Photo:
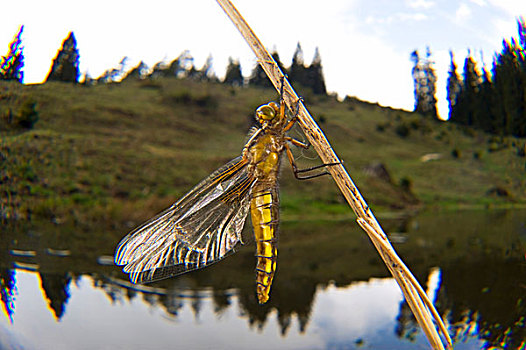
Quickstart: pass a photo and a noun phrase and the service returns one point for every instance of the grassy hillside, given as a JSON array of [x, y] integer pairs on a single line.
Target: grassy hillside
[[121, 152]]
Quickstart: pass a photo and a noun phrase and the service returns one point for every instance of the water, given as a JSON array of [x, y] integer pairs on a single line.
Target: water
[[60, 291]]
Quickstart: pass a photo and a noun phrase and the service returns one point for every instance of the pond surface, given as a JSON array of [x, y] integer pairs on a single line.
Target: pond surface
[[60, 290]]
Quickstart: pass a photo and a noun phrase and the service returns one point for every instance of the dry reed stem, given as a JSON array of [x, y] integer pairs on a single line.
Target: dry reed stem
[[397, 267], [417, 299]]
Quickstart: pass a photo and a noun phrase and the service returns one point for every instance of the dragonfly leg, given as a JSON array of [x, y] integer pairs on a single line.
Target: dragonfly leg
[[297, 171], [298, 143], [291, 123], [281, 99]]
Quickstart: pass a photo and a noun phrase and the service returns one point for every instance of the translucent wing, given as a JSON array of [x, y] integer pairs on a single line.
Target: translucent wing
[[201, 228]]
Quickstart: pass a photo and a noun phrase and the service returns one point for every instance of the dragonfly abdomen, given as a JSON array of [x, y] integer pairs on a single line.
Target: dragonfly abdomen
[[264, 209]]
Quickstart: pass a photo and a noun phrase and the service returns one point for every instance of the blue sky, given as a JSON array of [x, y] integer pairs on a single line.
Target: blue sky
[[364, 44]]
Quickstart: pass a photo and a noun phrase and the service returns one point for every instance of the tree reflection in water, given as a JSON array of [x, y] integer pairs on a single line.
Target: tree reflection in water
[[8, 291], [481, 287], [56, 289]]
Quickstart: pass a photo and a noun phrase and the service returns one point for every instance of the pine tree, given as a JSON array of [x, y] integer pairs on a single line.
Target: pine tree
[[65, 66], [185, 63], [159, 70], [114, 74], [509, 89], [181, 67], [430, 84], [297, 70], [207, 71], [316, 81], [424, 78], [470, 89], [12, 64], [233, 74], [204, 74], [485, 105], [174, 68], [138, 72], [467, 107], [453, 86], [417, 72], [509, 76]]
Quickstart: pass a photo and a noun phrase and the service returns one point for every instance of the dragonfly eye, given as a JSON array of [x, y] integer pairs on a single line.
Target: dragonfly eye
[[266, 112]]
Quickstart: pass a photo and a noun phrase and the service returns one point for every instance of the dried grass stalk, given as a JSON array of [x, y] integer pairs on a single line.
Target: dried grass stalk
[[417, 299]]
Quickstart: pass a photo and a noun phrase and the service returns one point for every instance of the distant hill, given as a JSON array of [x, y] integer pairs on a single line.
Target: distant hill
[[121, 152]]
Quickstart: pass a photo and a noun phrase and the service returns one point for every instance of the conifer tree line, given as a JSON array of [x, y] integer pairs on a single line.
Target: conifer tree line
[[65, 67], [492, 101], [310, 77]]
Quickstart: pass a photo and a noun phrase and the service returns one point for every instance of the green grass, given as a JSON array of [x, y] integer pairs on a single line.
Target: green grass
[[124, 151]]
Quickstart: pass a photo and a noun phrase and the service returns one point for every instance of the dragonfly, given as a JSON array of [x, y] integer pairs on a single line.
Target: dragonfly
[[206, 224]]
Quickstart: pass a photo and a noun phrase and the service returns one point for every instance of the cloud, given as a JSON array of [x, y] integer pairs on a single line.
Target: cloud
[[412, 16], [511, 7], [463, 13], [480, 3], [505, 29], [397, 17], [374, 306], [416, 4]]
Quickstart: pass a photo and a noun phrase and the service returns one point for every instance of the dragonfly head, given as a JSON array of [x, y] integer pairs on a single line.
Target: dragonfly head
[[267, 113]]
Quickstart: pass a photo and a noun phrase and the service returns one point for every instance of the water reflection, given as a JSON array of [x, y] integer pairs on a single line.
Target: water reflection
[[106, 316], [332, 291]]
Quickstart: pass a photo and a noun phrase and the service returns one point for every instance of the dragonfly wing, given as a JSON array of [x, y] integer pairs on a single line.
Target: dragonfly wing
[[201, 228]]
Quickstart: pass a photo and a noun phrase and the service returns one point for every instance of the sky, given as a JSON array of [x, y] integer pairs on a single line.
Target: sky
[[364, 44]]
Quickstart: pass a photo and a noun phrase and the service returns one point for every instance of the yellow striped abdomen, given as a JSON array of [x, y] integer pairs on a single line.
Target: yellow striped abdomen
[[264, 158], [264, 209]]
